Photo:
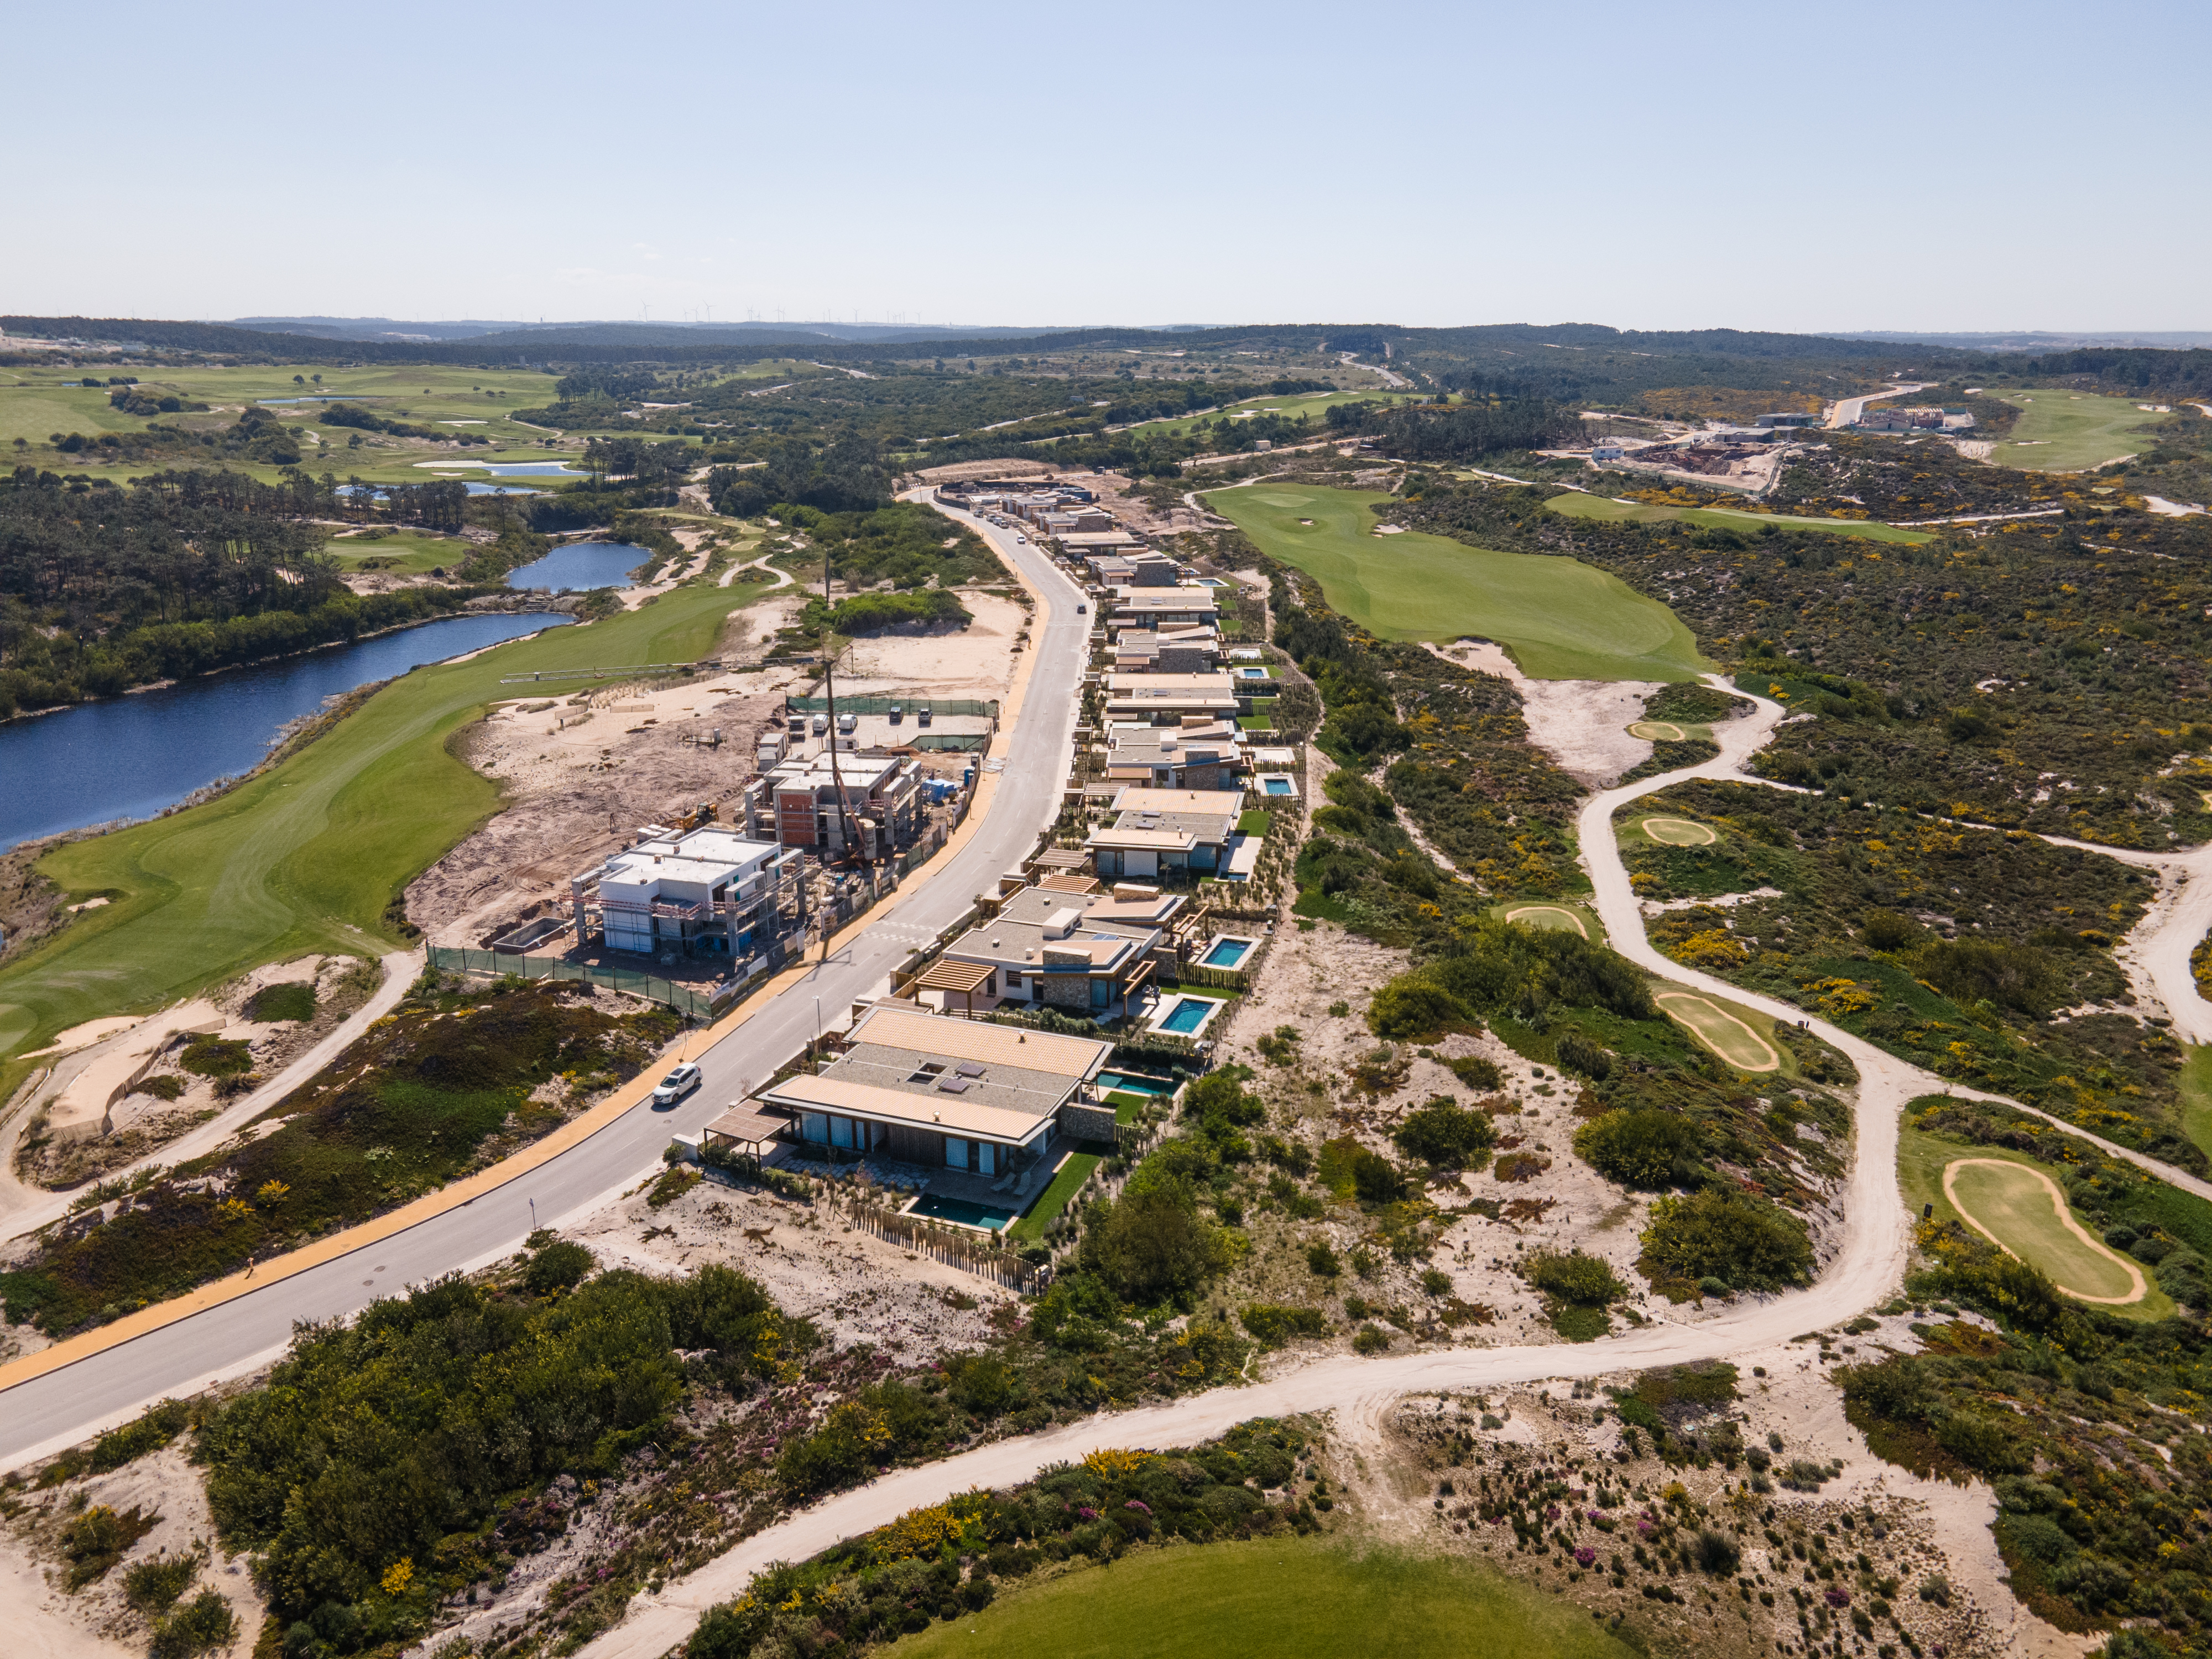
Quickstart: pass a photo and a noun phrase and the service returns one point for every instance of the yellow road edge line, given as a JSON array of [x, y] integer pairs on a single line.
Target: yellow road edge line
[[2066, 1219], [572, 1133]]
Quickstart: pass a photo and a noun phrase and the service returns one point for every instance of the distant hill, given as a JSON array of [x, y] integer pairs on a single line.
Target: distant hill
[[2038, 340]]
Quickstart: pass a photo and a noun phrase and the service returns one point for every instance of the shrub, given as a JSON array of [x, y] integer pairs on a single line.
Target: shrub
[[1272, 1325], [294, 1000], [152, 1587], [1716, 1553], [561, 1266], [1417, 1012], [1980, 1442], [1371, 1339], [1435, 1281], [1935, 1588], [1516, 1167], [1579, 1055], [202, 1625], [1645, 1148], [1477, 1073], [1375, 1179], [1323, 1259], [1445, 1135], [1746, 1243], [1150, 1248], [1580, 1324], [1573, 1276], [213, 1056], [95, 1540], [1887, 930]]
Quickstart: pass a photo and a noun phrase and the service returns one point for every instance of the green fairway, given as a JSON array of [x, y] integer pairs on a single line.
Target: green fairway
[[1560, 618], [2071, 431], [1726, 1034], [1678, 832], [1311, 1597], [407, 554], [2196, 1081], [1552, 918], [2021, 1209], [1575, 506], [306, 856], [1311, 404]]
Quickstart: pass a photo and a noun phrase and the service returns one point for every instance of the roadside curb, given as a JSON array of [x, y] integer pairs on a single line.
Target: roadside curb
[[569, 1135]]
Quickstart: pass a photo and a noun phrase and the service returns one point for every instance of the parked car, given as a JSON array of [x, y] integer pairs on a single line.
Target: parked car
[[898, 713], [1082, 609], [677, 1083]]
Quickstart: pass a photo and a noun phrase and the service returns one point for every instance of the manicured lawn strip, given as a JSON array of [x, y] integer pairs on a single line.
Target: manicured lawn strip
[[1053, 1198], [1126, 1105], [1253, 821], [1256, 722], [2069, 431], [2011, 1202], [1309, 403], [1725, 1031], [2196, 1082], [306, 856], [1561, 618], [1573, 505], [1922, 1158], [1309, 1596]]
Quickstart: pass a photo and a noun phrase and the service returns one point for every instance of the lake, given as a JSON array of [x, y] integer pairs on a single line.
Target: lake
[[127, 757], [579, 567]]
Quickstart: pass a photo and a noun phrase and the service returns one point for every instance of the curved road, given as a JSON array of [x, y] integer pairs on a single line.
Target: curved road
[[50, 1413], [1870, 1262]]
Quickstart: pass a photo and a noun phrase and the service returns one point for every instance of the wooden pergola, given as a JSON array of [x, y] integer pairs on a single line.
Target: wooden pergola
[[747, 1129], [963, 979]]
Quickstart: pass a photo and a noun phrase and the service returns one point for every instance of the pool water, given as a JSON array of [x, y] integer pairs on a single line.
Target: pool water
[[1113, 1082], [1189, 1015], [959, 1210], [1279, 786], [1252, 674], [1228, 952]]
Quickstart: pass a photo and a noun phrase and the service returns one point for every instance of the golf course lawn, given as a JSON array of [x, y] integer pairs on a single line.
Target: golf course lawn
[[2196, 1081], [2070, 431], [1560, 618], [2018, 1212], [1554, 918], [1675, 832], [1729, 1035], [1575, 506], [1311, 1597], [1311, 404], [306, 856]]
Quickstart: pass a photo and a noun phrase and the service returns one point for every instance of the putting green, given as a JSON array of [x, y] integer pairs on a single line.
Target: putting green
[[306, 856], [1556, 918], [1679, 832], [1562, 619], [2022, 1212], [1575, 506], [1313, 1597], [1720, 1031], [2071, 431], [1657, 731]]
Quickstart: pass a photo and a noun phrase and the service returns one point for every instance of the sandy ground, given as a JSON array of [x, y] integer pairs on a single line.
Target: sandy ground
[[1582, 724], [44, 1622], [629, 756], [140, 1123], [857, 1287]]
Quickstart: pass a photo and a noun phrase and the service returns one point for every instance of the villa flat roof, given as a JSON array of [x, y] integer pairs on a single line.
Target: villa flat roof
[[966, 1039], [933, 1110]]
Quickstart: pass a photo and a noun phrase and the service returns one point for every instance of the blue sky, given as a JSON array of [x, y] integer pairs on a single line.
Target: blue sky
[[1882, 165]]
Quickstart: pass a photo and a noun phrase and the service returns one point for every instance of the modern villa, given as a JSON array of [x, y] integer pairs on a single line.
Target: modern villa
[[963, 1095]]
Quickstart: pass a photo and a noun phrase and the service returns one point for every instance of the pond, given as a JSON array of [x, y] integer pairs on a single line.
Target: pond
[[581, 566], [127, 757]]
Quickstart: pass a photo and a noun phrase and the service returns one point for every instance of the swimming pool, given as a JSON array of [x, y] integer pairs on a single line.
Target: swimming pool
[[1249, 673], [1116, 1083], [961, 1212], [1187, 1016], [1276, 783], [1228, 950]]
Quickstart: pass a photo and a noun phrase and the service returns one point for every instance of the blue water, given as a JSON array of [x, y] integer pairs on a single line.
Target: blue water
[[1113, 1082], [1189, 1014], [471, 485], [127, 757], [960, 1209], [1279, 786], [581, 566], [1228, 952]]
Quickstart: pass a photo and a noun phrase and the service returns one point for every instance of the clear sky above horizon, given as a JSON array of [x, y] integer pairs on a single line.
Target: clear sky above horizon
[[1881, 166]]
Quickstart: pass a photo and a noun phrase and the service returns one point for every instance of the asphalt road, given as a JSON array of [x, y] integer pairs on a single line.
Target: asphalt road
[[58, 1410]]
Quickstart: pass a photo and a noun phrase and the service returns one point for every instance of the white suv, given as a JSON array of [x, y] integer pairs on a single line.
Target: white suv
[[677, 1085]]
